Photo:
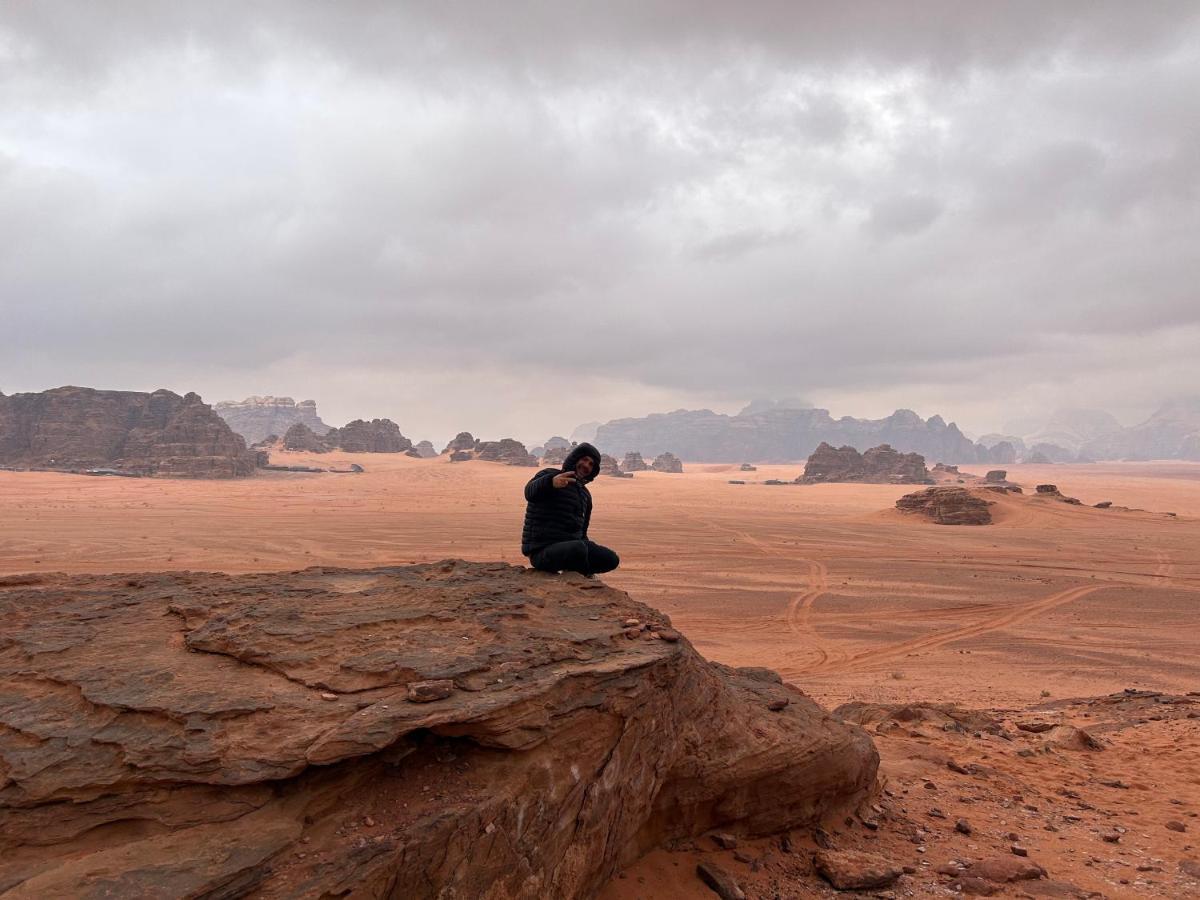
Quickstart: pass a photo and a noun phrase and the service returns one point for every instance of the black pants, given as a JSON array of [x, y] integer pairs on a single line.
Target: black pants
[[587, 557]]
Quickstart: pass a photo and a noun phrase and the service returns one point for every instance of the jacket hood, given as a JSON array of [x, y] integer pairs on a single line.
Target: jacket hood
[[579, 452]]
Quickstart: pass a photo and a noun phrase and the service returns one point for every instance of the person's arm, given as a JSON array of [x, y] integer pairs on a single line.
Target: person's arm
[[587, 515], [540, 486]]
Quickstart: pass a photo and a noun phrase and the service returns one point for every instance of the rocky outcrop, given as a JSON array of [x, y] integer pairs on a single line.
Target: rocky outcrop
[[455, 729], [878, 465], [301, 438], [425, 450], [509, 451], [996, 476], [633, 462], [130, 432], [463, 441], [667, 462], [609, 465], [784, 434], [555, 456], [256, 417], [947, 506], [376, 436]]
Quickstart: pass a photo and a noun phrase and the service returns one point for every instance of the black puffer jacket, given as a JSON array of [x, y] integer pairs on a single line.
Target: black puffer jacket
[[558, 514]]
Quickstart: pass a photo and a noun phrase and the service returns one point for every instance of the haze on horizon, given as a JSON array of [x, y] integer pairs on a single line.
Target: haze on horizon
[[515, 219]]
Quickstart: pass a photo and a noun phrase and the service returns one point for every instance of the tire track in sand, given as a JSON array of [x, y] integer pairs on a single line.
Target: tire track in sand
[[1013, 616], [799, 615]]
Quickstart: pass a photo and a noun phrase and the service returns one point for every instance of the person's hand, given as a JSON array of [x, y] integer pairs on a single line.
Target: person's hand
[[562, 479]]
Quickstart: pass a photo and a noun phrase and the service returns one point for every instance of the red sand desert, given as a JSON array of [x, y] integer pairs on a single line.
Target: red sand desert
[[844, 596]]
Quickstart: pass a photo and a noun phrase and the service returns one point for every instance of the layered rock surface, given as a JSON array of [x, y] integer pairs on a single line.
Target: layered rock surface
[[209, 735], [878, 465], [257, 417], [76, 428]]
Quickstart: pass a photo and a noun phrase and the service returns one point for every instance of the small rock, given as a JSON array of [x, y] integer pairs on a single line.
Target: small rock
[[935, 813], [670, 635], [1002, 869], [962, 826], [1111, 837], [1018, 850], [325, 695], [785, 843], [822, 839], [633, 633], [973, 886], [1176, 825], [429, 691], [778, 704], [1190, 867], [743, 857], [724, 841], [633, 623], [369, 822], [853, 870], [720, 881]]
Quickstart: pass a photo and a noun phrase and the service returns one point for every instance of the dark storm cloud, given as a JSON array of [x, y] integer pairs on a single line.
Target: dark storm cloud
[[975, 206]]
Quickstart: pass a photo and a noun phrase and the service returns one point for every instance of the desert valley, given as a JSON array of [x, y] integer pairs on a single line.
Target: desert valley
[[1031, 685]]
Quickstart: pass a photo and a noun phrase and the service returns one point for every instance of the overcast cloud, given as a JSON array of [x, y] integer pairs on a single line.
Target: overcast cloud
[[514, 218]]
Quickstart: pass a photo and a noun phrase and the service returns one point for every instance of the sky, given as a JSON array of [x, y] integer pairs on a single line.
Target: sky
[[514, 218]]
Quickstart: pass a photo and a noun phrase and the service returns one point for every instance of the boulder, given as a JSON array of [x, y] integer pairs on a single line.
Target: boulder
[[1004, 869], [746, 467], [195, 734], [609, 465], [947, 506], [633, 462], [996, 476], [257, 417], [667, 462], [425, 450], [879, 465], [129, 432]]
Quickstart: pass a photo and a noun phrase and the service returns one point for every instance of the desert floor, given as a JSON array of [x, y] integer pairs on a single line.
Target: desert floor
[[828, 584]]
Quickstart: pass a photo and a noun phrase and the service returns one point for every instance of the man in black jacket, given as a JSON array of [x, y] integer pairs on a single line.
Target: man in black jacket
[[557, 513]]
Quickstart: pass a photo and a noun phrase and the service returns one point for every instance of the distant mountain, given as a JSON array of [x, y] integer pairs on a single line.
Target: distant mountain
[[257, 417], [1172, 432], [585, 433], [779, 434], [1071, 429]]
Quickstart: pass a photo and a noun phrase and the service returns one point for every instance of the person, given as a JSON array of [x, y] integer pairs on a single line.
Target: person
[[558, 511]]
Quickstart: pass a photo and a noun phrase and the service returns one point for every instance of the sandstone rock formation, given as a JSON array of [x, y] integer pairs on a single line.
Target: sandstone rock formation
[[76, 428], [947, 506], [455, 729], [303, 439], [555, 456], [509, 451], [462, 441], [878, 465], [667, 462], [633, 462], [256, 417], [376, 436], [609, 465], [425, 450], [996, 476]]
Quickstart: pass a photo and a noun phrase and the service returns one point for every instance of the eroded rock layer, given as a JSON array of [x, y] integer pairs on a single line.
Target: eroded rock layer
[[455, 729]]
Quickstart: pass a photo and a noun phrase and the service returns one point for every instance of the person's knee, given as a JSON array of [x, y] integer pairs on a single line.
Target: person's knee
[[604, 560]]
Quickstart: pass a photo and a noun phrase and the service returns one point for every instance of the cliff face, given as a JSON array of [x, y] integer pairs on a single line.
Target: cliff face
[[74, 428], [783, 435], [456, 729], [255, 418]]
